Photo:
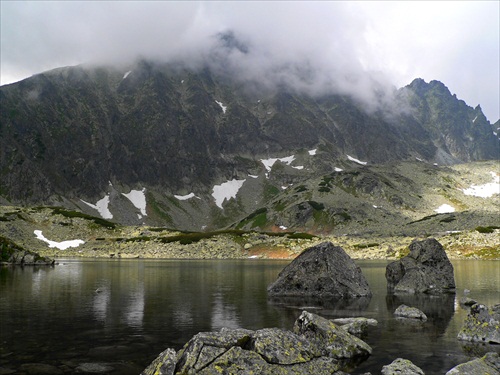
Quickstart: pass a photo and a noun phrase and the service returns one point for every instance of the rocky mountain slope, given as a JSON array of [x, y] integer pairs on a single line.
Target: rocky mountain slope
[[163, 145]]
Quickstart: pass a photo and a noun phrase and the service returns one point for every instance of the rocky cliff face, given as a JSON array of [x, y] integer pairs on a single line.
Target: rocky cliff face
[[164, 134]]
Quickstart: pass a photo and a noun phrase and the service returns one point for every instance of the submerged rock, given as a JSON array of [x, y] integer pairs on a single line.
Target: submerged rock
[[426, 269], [404, 311], [482, 324], [402, 366], [489, 364], [321, 271], [316, 346]]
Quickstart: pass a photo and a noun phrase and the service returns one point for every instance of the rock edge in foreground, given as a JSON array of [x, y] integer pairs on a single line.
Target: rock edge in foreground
[[315, 346]]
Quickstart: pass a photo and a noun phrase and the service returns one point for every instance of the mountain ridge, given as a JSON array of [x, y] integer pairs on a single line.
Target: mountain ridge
[[81, 133]]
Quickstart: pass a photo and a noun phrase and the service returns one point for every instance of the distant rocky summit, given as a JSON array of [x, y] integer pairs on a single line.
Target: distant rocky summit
[[316, 346], [11, 253], [426, 269], [321, 271], [482, 324]]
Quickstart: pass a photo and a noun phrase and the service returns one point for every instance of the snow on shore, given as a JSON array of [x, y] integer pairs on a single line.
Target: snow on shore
[[60, 245]]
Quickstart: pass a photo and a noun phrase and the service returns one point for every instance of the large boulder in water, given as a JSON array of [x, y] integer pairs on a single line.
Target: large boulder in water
[[426, 269], [321, 271]]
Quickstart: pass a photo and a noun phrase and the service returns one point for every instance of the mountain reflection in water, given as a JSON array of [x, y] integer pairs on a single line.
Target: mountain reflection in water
[[124, 312]]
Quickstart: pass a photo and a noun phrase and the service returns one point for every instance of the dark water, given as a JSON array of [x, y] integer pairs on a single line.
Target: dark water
[[124, 312]]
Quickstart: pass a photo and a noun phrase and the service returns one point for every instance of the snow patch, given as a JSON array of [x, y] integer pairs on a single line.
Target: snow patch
[[486, 190], [226, 190], [475, 118], [138, 199], [126, 74], [356, 160], [338, 169], [224, 107], [445, 209], [312, 152], [102, 206], [268, 163], [186, 197], [282, 227], [60, 245], [298, 167], [253, 176]]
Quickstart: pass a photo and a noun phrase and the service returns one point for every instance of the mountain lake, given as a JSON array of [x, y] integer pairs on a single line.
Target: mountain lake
[[115, 316]]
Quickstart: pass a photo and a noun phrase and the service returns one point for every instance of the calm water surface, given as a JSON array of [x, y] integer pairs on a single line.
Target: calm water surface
[[124, 312]]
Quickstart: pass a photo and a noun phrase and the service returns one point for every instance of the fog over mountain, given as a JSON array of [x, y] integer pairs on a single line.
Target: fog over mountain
[[353, 48]]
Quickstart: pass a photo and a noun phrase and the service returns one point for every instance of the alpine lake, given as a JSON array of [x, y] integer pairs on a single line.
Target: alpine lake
[[114, 316]]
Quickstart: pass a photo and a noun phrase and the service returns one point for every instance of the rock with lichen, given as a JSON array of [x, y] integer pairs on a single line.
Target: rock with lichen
[[482, 324], [315, 346], [489, 364]]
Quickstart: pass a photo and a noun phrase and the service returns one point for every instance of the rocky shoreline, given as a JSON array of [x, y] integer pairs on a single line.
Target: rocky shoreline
[[102, 239]]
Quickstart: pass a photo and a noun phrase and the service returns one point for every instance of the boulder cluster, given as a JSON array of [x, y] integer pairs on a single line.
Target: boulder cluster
[[317, 345]]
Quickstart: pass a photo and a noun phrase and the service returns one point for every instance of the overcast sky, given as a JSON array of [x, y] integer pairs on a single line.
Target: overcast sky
[[341, 44]]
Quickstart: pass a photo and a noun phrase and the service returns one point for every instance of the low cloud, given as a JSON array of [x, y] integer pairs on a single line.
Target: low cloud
[[356, 48]]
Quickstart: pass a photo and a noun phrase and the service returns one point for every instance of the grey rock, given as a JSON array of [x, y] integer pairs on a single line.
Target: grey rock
[[482, 324], [404, 311], [316, 346], [284, 347], [164, 364], [322, 271], [355, 326], [328, 339], [489, 364], [426, 269], [402, 366]]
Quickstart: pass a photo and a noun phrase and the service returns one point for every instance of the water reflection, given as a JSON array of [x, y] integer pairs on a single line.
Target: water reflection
[[147, 306], [329, 306], [438, 308]]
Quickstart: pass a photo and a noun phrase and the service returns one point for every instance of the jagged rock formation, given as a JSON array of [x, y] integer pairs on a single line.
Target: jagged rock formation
[[426, 269], [316, 346], [94, 134], [322, 271]]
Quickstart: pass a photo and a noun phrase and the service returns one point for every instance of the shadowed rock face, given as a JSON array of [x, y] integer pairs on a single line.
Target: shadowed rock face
[[322, 271], [426, 269]]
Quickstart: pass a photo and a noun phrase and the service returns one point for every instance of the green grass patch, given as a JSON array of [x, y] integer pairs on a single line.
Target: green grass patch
[[365, 245], [489, 229], [75, 214]]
